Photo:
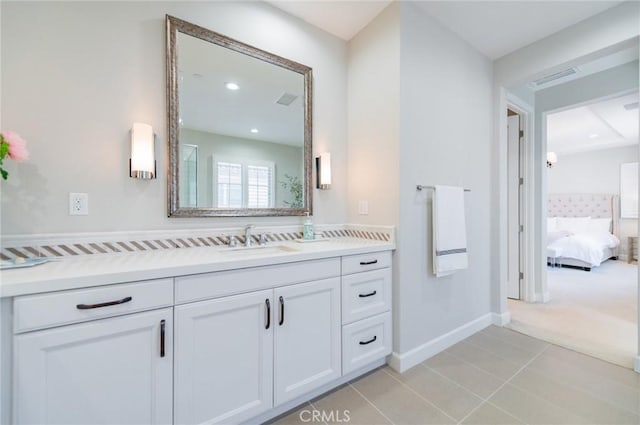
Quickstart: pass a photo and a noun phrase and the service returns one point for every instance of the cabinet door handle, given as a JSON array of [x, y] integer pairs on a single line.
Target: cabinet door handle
[[162, 326], [281, 311], [370, 294], [368, 263], [368, 342], [268, 313], [107, 304]]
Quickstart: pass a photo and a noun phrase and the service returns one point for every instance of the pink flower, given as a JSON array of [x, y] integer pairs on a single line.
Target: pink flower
[[17, 146]]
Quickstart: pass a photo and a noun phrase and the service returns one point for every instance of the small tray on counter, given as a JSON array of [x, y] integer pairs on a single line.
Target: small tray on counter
[[28, 262]]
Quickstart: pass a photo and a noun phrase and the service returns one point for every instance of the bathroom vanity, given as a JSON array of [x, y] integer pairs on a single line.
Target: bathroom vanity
[[188, 336]]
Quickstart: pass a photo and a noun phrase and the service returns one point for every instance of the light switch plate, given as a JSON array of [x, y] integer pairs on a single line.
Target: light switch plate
[[363, 207], [78, 204]]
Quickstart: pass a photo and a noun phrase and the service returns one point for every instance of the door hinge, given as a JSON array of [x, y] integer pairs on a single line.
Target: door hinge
[[521, 275], [521, 228], [521, 133], [521, 181]]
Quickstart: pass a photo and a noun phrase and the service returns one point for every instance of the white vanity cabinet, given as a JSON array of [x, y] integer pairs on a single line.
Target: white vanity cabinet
[[366, 309], [238, 356], [307, 338], [221, 346], [116, 370], [224, 359]]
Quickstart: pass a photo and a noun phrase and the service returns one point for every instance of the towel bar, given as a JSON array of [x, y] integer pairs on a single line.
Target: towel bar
[[421, 186]]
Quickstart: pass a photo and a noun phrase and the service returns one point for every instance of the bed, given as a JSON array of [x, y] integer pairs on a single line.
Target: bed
[[581, 229]]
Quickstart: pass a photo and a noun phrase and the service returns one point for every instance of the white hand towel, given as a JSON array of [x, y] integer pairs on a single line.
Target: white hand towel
[[449, 231]]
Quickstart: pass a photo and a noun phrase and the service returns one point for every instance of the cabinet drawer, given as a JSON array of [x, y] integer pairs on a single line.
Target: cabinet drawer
[[218, 284], [364, 262], [64, 307], [365, 294], [365, 341]]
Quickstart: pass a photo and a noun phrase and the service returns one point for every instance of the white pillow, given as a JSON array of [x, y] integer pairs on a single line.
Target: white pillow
[[600, 225], [551, 224], [573, 224]]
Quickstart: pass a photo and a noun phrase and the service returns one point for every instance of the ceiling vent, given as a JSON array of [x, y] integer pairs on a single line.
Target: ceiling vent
[[552, 77], [631, 106], [286, 99]]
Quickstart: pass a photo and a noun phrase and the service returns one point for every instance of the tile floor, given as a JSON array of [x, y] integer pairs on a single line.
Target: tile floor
[[496, 376]]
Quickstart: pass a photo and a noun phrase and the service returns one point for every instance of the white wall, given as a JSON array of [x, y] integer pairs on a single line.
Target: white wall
[[418, 116], [76, 75], [594, 172], [374, 111], [445, 138]]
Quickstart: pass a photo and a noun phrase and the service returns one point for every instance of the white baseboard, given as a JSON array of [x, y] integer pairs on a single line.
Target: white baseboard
[[501, 319], [636, 363], [401, 362], [543, 297]]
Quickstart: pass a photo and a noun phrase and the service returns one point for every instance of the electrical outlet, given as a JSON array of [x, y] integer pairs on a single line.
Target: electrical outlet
[[78, 204], [363, 207]]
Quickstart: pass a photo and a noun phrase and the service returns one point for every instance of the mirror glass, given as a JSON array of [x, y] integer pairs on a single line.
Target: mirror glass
[[239, 127]]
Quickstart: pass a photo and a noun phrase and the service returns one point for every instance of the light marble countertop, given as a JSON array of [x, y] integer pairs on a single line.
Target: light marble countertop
[[95, 270]]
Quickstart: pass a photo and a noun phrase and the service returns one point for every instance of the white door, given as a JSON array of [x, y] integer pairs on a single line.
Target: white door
[[109, 371], [514, 222], [307, 337], [224, 359]]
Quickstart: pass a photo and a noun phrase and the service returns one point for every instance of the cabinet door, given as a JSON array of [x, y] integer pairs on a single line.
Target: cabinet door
[[109, 371], [224, 359], [307, 337]]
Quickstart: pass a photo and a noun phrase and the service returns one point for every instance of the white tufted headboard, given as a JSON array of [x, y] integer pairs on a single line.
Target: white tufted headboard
[[584, 205]]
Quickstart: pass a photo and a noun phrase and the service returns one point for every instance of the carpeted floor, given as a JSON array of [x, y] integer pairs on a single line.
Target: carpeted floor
[[591, 312]]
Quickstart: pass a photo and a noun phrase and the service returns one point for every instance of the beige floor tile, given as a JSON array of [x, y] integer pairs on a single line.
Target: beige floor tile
[[522, 341], [484, 359], [346, 405], [490, 415], [397, 402], [470, 377], [292, 418], [601, 368], [572, 399], [532, 409], [595, 384], [501, 348], [456, 401]]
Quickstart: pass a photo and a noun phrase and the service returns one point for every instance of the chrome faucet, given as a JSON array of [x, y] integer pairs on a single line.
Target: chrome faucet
[[247, 235]]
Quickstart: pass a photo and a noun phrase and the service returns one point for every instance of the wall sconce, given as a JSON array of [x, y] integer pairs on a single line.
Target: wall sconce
[[323, 171], [142, 163], [552, 158]]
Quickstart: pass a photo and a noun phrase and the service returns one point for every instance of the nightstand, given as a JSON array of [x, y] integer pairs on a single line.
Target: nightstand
[[632, 249]]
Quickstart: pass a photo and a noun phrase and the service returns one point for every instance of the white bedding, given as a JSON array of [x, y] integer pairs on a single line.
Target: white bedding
[[584, 246]]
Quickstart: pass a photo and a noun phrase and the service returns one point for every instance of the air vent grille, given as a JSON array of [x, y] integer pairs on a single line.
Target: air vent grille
[[286, 99], [552, 77]]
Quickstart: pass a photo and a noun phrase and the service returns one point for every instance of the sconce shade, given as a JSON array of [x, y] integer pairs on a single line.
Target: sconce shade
[[323, 171], [142, 164], [552, 158]]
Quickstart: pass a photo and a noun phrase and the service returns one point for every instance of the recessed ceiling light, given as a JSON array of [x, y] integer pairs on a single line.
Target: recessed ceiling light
[[594, 136], [232, 86], [254, 130]]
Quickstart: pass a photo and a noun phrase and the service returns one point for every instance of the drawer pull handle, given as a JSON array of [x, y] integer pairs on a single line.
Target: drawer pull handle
[[281, 311], [162, 324], [368, 342], [368, 263], [107, 304], [370, 294], [268, 325]]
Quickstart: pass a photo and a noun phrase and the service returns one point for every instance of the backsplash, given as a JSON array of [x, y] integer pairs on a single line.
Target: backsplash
[[68, 245]]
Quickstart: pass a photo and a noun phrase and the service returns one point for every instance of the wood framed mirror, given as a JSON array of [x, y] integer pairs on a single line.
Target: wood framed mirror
[[239, 127]]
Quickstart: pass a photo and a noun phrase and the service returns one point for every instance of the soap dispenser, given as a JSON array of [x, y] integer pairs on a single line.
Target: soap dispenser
[[307, 229]]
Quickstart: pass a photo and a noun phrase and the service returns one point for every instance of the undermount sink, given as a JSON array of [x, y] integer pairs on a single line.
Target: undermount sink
[[260, 249]]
